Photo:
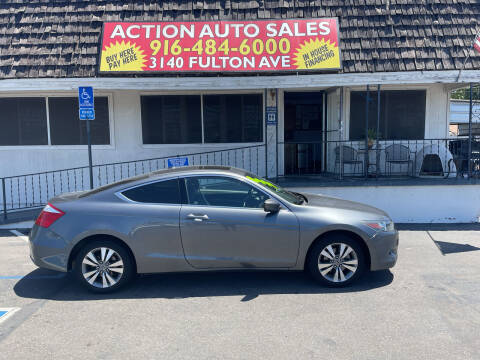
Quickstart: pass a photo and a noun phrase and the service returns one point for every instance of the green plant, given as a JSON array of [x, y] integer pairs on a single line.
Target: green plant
[[372, 137], [372, 134]]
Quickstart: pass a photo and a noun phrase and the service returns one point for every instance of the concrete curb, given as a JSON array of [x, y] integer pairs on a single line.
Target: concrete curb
[[20, 216]]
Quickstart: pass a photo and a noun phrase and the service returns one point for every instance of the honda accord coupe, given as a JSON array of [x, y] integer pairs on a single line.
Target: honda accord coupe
[[206, 218]]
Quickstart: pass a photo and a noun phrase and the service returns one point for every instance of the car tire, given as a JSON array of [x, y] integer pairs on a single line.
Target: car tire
[[103, 266], [336, 260]]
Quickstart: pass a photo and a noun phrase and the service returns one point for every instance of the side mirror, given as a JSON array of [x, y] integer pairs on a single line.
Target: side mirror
[[271, 206]]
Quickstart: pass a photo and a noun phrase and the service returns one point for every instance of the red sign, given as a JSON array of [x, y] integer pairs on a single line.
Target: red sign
[[221, 46], [476, 42]]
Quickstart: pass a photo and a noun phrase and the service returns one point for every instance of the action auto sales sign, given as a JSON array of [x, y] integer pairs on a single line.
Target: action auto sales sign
[[221, 46]]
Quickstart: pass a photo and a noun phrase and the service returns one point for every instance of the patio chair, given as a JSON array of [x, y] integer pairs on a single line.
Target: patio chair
[[397, 154], [349, 157]]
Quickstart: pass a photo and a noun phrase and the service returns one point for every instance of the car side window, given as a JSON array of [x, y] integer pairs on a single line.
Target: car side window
[[160, 192], [223, 191]]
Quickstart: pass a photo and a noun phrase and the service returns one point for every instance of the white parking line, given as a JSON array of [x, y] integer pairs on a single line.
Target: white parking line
[[20, 235], [9, 312]]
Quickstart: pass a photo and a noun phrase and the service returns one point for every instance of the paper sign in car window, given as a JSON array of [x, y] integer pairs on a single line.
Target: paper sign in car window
[[262, 181]]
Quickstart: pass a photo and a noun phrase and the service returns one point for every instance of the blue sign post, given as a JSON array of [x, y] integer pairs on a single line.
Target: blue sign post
[[86, 111]]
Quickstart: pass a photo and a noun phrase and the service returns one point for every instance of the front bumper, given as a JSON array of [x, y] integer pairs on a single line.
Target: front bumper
[[48, 250], [383, 250]]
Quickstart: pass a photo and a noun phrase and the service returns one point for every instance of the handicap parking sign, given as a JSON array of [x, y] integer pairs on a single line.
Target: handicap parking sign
[[86, 113], [86, 109], [177, 162], [85, 97]]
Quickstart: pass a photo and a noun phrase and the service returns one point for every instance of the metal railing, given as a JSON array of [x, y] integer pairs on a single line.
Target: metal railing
[[34, 190], [383, 158], [448, 157]]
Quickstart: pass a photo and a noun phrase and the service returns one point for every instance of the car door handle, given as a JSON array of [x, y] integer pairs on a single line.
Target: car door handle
[[197, 217]]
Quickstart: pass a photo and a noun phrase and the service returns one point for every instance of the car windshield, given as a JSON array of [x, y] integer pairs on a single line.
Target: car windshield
[[292, 197]]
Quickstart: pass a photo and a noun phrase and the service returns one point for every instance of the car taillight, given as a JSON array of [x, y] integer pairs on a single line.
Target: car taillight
[[48, 216]]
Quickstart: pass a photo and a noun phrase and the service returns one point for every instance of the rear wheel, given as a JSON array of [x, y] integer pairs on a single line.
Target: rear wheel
[[336, 260], [103, 266]]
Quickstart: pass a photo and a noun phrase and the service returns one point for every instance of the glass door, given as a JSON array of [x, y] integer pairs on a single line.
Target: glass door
[[303, 126]]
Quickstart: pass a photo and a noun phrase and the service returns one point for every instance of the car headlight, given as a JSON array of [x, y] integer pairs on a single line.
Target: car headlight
[[383, 225]]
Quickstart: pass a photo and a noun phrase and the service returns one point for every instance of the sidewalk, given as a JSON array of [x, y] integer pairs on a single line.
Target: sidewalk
[[19, 216]]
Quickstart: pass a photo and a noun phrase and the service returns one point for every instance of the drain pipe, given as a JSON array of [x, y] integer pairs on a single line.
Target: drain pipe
[[4, 198], [470, 134], [340, 122]]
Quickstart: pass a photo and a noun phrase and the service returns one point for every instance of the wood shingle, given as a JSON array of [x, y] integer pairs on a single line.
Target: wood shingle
[[45, 38]]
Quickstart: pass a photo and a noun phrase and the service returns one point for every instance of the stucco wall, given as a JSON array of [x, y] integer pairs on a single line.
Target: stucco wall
[[126, 145], [414, 204]]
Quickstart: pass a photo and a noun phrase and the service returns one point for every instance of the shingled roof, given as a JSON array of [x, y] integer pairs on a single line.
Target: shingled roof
[[56, 38]]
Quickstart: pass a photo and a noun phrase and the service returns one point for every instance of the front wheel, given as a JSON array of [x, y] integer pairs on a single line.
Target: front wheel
[[336, 260], [103, 266]]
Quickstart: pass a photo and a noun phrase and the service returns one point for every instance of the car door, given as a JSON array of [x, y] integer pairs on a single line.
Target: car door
[[151, 213], [223, 225]]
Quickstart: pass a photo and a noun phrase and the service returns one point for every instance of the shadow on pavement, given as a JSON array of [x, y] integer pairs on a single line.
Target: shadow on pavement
[[453, 248], [44, 284]]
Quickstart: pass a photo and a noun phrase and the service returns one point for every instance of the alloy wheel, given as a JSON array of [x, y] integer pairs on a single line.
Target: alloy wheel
[[337, 262], [102, 267]]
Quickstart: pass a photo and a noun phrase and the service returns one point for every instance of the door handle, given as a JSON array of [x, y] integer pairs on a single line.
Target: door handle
[[197, 217]]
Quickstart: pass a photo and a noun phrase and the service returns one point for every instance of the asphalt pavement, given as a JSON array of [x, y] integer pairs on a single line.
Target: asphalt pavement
[[427, 307]]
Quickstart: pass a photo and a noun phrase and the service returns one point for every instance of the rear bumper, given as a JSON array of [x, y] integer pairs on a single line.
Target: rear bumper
[[48, 250], [383, 250]]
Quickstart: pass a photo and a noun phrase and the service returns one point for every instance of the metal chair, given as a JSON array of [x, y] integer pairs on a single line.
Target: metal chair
[[397, 154], [349, 157]]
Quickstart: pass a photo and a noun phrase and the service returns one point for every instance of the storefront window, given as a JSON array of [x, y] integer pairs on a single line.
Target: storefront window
[[402, 114], [67, 129], [177, 119], [24, 121], [233, 118], [171, 119]]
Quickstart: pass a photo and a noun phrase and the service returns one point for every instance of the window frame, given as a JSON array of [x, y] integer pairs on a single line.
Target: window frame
[[373, 92], [201, 93], [183, 177], [63, 94], [121, 196]]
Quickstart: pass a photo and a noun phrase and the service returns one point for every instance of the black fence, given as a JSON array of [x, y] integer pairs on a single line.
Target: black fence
[[34, 190], [383, 158]]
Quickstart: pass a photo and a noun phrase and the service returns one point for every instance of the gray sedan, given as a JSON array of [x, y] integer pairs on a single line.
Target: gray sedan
[[208, 218]]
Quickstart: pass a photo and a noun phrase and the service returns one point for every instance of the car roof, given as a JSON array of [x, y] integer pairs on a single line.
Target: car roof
[[184, 170]]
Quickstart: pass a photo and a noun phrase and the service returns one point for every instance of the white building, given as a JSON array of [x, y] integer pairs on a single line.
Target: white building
[[319, 142]]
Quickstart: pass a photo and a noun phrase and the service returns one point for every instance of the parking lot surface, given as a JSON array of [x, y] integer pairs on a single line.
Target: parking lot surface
[[428, 306]]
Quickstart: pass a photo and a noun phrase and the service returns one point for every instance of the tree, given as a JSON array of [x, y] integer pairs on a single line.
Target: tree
[[464, 93]]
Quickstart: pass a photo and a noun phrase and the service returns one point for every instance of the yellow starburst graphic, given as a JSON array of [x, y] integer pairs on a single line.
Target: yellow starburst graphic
[[122, 56], [317, 54]]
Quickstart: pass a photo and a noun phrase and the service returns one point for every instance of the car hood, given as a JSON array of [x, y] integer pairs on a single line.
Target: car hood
[[340, 204]]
